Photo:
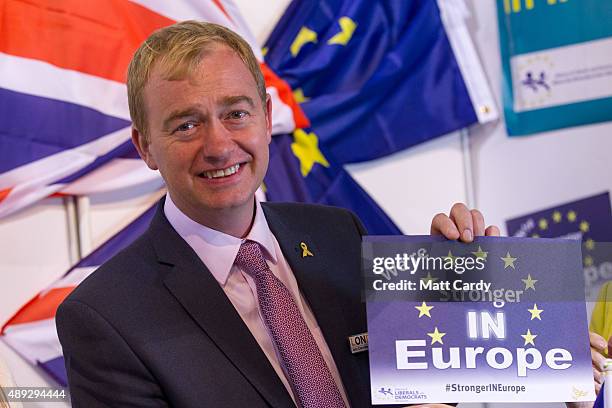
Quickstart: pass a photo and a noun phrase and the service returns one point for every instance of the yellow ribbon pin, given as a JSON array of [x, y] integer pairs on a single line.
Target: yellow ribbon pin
[[305, 251]]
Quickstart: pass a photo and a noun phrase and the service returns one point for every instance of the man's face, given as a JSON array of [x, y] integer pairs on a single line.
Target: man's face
[[208, 135]]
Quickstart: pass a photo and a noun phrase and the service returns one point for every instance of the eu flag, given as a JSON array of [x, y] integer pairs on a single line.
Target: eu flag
[[373, 78]]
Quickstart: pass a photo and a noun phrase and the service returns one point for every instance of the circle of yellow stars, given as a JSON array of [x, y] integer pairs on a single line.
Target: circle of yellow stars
[[509, 262], [572, 217]]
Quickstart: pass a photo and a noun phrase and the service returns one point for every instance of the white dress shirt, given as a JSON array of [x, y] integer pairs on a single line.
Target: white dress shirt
[[218, 251]]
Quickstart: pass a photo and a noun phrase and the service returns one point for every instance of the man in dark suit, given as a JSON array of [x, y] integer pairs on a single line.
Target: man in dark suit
[[224, 301]]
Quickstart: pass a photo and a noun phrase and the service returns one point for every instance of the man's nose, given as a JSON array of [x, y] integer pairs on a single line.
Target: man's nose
[[217, 145]]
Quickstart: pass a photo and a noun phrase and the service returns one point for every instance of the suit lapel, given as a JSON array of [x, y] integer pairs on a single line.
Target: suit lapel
[[315, 276], [199, 293]]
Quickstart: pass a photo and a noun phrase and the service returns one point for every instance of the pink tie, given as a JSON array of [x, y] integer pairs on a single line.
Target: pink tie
[[311, 379]]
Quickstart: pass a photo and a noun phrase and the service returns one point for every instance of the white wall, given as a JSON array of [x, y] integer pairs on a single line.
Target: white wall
[[515, 176]]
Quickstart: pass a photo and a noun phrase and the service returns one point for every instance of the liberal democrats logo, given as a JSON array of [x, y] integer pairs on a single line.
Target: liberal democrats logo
[[400, 394], [385, 393]]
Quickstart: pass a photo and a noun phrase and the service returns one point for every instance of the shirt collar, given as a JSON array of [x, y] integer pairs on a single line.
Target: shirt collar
[[216, 249]]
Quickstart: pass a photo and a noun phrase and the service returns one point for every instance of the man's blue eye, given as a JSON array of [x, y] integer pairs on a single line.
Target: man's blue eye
[[185, 127], [238, 114]]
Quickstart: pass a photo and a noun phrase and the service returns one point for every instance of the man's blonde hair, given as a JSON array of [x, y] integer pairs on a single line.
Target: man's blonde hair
[[177, 50]]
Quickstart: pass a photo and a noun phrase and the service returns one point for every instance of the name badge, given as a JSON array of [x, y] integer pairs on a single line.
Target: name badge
[[358, 342]]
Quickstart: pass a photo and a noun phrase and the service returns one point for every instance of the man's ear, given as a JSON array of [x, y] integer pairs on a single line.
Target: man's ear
[[142, 146], [269, 117]]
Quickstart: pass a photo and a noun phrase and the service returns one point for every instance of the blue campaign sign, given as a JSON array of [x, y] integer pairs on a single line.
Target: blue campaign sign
[[499, 320], [587, 219], [557, 63]]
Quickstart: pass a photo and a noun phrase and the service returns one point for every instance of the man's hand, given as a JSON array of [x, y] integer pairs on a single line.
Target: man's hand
[[462, 223], [598, 349]]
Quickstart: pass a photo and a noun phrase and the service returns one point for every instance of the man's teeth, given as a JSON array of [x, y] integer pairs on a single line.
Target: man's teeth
[[222, 173]]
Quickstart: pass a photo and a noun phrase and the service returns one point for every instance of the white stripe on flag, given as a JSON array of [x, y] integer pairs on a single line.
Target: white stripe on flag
[[40, 78], [74, 278], [62, 164], [36, 180], [114, 175], [282, 115], [180, 10], [36, 341]]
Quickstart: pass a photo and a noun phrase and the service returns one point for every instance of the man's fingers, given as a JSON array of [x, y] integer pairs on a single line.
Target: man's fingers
[[442, 225], [462, 217], [492, 231], [597, 342], [598, 359], [478, 222], [598, 376]]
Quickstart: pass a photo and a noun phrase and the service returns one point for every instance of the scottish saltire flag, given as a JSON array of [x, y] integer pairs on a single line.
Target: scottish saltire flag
[[31, 331], [376, 77], [63, 100]]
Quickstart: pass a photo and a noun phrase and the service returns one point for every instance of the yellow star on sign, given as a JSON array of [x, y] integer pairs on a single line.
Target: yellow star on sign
[[436, 336], [535, 235], [588, 260], [535, 312], [299, 97], [306, 148], [343, 37], [529, 338], [557, 217], [480, 253], [543, 224], [450, 256], [584, 226], [529, 282], [424, 310], [589, 244], [571, 216], [305, 36], [508, 260]]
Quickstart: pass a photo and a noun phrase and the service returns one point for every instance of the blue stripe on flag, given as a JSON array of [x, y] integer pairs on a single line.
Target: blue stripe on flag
[[124, 150], [56, 369], [599, 402], [119, 241], [33, 127]]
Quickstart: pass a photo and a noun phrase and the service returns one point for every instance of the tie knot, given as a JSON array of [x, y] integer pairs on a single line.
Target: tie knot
[[250, 258]]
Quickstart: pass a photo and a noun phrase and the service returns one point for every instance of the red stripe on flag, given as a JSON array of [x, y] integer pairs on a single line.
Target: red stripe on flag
[[218, 4], [286, 95], [97, 37], [39, 308], [4, 193]]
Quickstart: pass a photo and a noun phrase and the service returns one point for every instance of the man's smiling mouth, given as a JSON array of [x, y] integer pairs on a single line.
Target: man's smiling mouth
[[221, 172]]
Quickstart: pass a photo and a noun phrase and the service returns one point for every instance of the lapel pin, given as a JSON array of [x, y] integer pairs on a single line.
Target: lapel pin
[[305, 251], [358, 342]]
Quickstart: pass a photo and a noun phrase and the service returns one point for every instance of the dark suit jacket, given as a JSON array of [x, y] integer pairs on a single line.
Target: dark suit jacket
[[153, 328]]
